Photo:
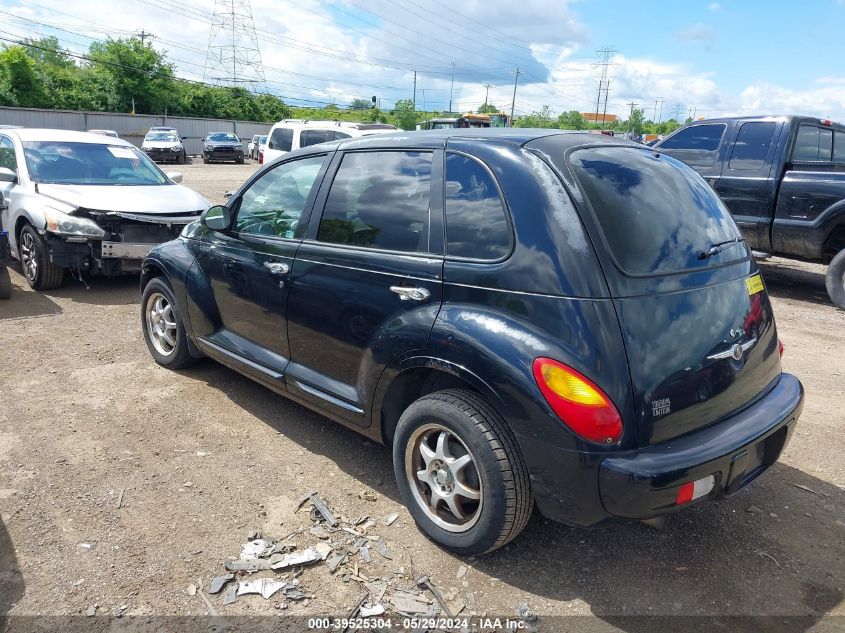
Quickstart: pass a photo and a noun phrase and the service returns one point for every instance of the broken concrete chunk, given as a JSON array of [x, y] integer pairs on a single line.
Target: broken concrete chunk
[[266, 587], [192, 590], [365, 554], [462, 570], [335, 561], [390, 518], [381, 547], [408, 603], [231, 594], [218, 582], [524, 612], [247, 565], [255, 549]]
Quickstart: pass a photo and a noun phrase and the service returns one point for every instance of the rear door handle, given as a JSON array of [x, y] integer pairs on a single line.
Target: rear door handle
[[277, 268], [411, 294]]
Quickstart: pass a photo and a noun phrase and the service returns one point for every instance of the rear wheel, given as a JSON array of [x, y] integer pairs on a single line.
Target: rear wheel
[[835, 280], [40, 272], [460, 472], [164, 331]]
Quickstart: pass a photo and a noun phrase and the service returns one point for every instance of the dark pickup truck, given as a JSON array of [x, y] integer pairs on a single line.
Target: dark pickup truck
[[783, 179]]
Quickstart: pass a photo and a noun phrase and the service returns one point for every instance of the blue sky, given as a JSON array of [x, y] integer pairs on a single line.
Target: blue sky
[[714, 58]]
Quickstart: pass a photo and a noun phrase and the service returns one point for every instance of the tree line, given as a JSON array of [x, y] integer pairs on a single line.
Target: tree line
[[127, 75]]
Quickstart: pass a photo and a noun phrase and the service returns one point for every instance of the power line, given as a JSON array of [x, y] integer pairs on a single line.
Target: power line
[[233, 43]]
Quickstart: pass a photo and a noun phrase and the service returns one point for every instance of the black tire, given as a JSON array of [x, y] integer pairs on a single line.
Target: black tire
[[46, 275], [500, 469], [5, 283], [179, 356], [181, 159], [240, 160], [835, 280], [205, 159]]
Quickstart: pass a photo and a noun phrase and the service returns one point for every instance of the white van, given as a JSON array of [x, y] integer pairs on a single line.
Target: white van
[[291, 134]]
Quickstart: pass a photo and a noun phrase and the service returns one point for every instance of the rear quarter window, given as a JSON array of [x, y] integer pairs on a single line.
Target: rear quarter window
[[281, 139], [655, 213]]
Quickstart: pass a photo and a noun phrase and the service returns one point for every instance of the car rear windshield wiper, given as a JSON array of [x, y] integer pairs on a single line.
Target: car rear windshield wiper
[[718, 247]]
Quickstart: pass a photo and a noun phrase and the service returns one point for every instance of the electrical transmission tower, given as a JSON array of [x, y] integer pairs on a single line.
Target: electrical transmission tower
[[233, 57], [606, 56]]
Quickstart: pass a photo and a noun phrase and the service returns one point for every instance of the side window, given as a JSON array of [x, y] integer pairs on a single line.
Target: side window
[[700, 137], [752, 145], [7, 154], [274, 203], [476, 221], [312, 137], [340, 135], [281, 139], [839, 147], [812, 144], [380, 200]]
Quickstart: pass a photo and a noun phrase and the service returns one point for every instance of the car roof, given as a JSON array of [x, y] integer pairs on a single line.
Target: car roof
[[441, 138], [64, 136]]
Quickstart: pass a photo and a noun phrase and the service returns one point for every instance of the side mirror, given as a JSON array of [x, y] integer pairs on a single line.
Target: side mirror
[[217, 218], [7, 175], [175, 176]]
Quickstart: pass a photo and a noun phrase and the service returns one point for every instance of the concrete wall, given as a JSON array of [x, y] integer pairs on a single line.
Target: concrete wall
[[131, 127]]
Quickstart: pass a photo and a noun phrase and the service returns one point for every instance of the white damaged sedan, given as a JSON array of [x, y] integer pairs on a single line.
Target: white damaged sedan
[[87, 203]]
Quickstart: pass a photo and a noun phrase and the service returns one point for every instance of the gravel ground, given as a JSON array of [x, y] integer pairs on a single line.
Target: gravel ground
[[122, 483]]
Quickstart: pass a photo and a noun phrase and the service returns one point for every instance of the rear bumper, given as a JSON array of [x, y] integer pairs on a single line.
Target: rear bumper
[[643, 484]]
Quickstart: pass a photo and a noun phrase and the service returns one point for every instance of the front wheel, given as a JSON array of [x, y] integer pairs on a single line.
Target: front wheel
[[835, 280], [460, 472], [40, 272], [164, 331], [182, 158]]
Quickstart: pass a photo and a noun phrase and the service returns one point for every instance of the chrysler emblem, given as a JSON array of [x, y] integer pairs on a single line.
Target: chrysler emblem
[[737, 352]]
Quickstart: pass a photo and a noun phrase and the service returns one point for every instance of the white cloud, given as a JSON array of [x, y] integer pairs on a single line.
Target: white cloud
[[715, 6], [766, 98]]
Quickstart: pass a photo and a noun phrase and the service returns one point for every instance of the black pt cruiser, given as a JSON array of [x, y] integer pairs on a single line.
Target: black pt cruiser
[[525, 316]]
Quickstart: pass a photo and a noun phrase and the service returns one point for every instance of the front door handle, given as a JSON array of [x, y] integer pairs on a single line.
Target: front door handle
[[411, 294], [277, 268]]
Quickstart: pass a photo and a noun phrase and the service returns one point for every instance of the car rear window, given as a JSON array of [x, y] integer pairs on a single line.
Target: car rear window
[[281, 139], [656, 214]]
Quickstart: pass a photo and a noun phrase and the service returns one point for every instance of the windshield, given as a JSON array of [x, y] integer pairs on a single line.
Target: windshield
[[223, 137], [89, 164], [162, 136], [657, 215]]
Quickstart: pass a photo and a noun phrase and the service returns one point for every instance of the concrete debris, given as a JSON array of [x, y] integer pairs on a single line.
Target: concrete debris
[[425, 582], [320, 507], [462, 570], [256, 549], [365, 554], [381, 547], [368, 496], [524, 613], [92, 610], [248, 565], [266, 587], [319, 532], [192, 590], [218, 582], [390, 518], [408, 603]]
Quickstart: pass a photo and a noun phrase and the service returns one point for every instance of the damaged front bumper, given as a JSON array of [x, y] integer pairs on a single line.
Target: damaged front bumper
[[129, 237]]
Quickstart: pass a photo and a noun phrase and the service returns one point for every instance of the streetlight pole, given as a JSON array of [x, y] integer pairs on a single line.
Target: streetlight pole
[[451, 87]]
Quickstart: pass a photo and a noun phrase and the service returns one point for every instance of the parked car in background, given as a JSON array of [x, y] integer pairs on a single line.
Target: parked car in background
[[258, 146], [222, 146], [164, 144], [291, 134], [262, 147], [783, 179], [87, 203], [111, 133], [518, 313]]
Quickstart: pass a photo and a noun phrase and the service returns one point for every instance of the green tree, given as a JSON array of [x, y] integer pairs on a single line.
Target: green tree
[[360, 104], [636, 123], [487, 108], [541, 118], [26, 84], [572, 120], [405, 114], [134, 71]]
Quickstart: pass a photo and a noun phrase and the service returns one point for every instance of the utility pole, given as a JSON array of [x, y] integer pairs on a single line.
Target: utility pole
[[486, 92], [678, 107], [606, 61], [631, 115], [660, 114], [513, 102], [451, 87], [660, 99], [144, 35], [415, 90]]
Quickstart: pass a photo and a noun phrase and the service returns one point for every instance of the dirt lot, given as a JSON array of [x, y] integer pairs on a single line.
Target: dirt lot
[[204, 456]]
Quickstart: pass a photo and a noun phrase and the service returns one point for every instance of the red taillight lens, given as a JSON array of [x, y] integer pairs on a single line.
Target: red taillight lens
[[578, 402], [780, 348]]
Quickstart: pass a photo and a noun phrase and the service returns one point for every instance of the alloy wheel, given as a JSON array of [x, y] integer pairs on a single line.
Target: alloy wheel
[[443, 478], [29, 256], [161, 324]]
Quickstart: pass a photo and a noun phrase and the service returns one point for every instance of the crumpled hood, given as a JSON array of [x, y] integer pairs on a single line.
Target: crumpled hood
[[162, 144], [158, 199]]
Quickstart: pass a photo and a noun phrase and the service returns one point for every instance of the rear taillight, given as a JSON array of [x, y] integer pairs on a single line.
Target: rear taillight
[[260, 158], [578, 402], [780, 348]]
